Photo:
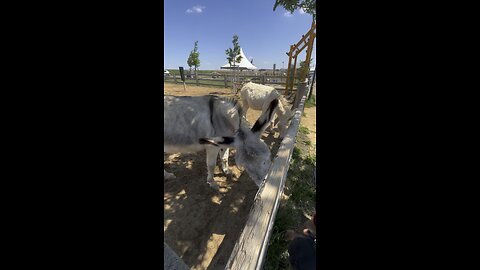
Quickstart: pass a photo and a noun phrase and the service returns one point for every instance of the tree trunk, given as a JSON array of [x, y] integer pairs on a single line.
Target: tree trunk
[[196, 77], [232, 76], [235, 79]]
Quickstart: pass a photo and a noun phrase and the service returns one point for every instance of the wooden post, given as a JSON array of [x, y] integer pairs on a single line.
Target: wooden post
[[263, 79], [225, 80], [302, 87], [310, 44], [196, 78], [294, 71], [174, 77], [288, 69], [311, 34], [313, 83]]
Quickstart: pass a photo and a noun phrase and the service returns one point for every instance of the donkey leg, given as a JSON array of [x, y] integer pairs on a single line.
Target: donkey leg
[[212, 154], [167, 175], [274, 116], [272, 122], [245, 109], [224, 158]]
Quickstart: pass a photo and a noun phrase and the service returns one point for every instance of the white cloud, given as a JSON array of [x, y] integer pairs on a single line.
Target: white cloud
[[302, 11], [287, 14], [196, 9]]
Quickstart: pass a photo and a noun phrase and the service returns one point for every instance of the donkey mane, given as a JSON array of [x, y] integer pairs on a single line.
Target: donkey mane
[[231, 101]]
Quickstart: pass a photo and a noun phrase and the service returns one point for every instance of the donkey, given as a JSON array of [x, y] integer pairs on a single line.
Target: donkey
[[214, 124], [258, 97]]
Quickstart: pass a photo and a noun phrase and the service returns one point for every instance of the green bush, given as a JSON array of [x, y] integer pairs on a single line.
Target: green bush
[[312, 102]]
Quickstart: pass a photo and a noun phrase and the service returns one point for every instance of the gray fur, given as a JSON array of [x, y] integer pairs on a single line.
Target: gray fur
[[258, 97], [193, 124]]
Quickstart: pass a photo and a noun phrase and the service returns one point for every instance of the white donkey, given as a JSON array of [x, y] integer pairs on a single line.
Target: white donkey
[[258, 97], [214, 124]]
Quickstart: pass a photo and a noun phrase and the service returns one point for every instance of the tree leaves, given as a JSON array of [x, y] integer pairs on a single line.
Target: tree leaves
[[309, 6], [233, 55], [303, 70], [193, 58]]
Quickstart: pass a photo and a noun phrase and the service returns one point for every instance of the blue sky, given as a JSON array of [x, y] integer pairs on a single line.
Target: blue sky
[[264, 35]]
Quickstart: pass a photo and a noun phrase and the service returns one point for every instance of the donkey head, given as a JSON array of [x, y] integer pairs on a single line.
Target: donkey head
[[251, 152], [284, 122]]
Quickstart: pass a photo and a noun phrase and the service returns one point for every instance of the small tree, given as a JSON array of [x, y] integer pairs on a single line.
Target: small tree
[[233, 56], [193, 59]]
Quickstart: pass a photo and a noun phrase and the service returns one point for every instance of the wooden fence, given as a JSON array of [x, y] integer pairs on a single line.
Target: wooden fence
[[171, 261], [250, 249], [225, 80]]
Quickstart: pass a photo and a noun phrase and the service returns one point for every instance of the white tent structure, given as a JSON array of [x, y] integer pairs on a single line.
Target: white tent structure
[[244, 63]]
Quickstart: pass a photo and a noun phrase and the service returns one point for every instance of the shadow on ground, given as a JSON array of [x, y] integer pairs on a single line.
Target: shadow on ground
[[201, 224]]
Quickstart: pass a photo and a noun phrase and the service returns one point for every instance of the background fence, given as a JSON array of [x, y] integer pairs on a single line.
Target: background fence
[[225, 79]]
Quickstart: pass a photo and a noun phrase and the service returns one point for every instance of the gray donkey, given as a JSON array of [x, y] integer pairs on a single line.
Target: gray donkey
[[214, 124]]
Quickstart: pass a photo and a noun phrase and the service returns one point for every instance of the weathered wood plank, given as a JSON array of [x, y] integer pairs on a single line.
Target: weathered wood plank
[[171, 261], [250, 249], [300, 93], [211, 79], [245, 75]]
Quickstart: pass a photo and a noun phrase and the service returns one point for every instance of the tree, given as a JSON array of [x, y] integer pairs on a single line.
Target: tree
[[233, 56], [193, 58], [303, 70], [309, 6]]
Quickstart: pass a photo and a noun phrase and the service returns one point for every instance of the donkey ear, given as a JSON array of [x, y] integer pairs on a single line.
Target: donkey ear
[[264, 119], [217, 141]]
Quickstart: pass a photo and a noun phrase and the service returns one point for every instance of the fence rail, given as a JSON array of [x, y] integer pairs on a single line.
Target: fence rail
[[225, 80], [250, 249], [171, 261]]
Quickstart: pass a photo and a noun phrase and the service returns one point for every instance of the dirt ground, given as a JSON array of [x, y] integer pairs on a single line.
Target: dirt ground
[[201, 225]]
